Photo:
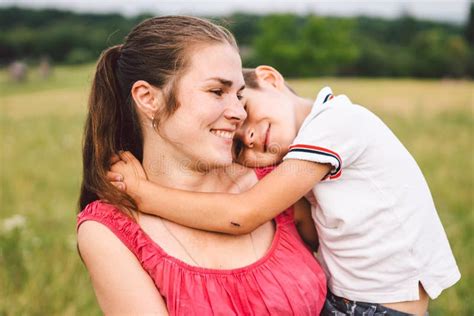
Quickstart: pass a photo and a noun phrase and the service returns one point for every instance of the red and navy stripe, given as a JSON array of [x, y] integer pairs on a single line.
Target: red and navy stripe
[[328, 97], [336, 173]]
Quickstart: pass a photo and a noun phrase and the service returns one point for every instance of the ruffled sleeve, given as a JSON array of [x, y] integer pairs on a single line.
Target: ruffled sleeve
[[125, 228]]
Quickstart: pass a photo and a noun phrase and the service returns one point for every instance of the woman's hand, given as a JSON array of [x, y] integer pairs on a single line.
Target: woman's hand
[[126, 173]]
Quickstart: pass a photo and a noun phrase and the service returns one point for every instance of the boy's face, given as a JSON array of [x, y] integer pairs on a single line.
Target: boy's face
[[269, 129]]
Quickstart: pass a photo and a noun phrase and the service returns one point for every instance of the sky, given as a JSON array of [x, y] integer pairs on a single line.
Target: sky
[[455, 11]]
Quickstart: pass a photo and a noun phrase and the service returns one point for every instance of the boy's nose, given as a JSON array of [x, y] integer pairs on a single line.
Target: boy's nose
[[249, 137]]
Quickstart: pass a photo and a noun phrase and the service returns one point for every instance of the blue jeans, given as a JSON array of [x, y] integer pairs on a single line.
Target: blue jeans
[[338, 306]]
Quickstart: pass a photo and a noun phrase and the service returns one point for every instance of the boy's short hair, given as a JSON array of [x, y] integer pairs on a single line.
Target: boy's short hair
[[251, 80]]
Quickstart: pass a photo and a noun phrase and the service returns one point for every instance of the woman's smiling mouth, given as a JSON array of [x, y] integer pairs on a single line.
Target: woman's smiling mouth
[[223, 133]]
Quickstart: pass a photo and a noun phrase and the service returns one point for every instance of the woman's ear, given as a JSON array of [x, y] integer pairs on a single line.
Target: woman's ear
[[148, 99], [269, 75]]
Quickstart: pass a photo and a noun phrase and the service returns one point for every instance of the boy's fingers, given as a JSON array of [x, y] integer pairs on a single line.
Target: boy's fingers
[[123, 156], [114, 176], [114, 159], [119, 185], [127, 156]]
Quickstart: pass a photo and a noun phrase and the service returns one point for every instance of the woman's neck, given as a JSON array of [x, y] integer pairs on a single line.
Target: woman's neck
[[168, 171]]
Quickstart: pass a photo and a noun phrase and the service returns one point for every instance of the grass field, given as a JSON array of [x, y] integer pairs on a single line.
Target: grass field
[[40, 133]]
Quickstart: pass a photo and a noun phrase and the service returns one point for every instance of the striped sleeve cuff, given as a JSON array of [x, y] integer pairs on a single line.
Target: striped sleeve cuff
[[317, 154]]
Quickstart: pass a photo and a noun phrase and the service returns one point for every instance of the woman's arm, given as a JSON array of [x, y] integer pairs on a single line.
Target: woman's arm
[[222, 212], [121, 285]]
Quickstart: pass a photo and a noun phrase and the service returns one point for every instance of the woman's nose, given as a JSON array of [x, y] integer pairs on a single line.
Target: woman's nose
[[235, 111]]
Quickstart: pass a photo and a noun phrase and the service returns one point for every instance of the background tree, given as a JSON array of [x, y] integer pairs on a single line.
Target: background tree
[[297, 45], [469, 34]]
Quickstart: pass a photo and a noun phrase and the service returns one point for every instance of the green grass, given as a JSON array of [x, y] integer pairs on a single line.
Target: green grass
[[40, 132]]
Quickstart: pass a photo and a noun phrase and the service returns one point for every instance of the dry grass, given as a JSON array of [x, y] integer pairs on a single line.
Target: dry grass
[[397, 96]]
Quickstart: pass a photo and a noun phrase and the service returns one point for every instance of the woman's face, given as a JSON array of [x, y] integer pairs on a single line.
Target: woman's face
[[201, 130]]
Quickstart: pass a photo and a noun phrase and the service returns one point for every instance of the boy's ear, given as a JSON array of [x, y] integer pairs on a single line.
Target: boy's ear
[[148, 99], [270, 75]]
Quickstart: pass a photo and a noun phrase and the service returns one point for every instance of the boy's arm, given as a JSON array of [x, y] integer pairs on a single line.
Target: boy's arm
[[224, 212]]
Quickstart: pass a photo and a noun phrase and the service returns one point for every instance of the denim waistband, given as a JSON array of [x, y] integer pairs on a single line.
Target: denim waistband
[[336, 305]]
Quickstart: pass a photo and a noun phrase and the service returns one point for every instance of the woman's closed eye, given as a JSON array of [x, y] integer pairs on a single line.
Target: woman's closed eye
[[218, 92]]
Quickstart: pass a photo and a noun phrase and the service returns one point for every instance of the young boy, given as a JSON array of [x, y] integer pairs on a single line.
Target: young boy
[[381, 241]]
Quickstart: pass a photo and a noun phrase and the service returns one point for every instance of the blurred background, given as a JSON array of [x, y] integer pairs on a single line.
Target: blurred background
[[410, 62]]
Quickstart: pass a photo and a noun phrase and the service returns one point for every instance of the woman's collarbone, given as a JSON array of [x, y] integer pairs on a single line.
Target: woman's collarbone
[[208, 249]]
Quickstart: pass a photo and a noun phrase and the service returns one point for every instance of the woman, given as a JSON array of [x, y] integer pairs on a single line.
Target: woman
[[171, 95]]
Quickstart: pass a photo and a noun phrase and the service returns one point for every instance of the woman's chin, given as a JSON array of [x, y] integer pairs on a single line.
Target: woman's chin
[[222, 156]]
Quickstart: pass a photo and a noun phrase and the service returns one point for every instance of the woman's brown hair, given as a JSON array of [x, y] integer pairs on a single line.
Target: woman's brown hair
[[156, 51]]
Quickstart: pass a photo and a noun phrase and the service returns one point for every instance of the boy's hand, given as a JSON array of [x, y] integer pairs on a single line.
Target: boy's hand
[[126, 173]]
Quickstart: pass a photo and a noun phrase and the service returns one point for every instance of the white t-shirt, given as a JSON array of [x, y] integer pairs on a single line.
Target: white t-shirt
[[378, 227]]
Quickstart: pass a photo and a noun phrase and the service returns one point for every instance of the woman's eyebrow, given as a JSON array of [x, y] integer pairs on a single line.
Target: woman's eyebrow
[[225, 82]]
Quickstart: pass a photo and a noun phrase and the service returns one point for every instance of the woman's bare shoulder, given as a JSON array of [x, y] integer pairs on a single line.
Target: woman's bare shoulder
[[120, 283], [93, 237]]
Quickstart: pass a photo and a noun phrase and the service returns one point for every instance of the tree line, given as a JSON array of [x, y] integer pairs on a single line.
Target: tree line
[[302, 46]]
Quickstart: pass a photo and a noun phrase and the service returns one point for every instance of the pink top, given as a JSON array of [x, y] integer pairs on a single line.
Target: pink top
[[286, 281]]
